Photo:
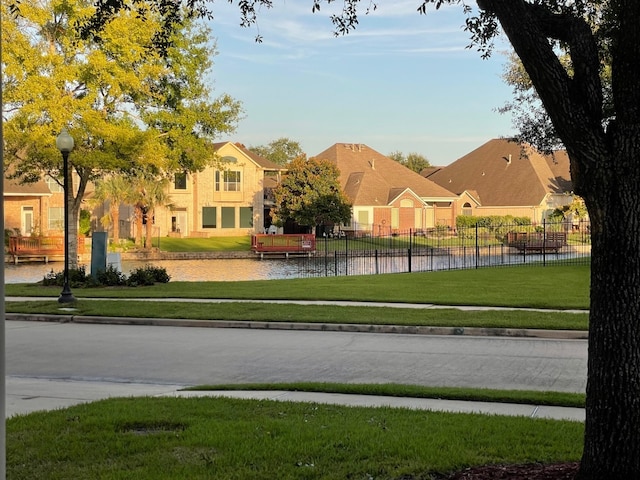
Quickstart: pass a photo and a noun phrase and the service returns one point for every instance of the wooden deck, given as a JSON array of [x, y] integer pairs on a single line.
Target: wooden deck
[[283, 245], [537, 241], [43, 249]]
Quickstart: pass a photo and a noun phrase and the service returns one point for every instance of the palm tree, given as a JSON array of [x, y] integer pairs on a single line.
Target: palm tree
[[115, 190], [147, 192]]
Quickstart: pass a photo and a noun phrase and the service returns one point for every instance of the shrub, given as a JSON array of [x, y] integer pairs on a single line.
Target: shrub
[[77, 278], [84, 224], [110, 277], [148, 275]]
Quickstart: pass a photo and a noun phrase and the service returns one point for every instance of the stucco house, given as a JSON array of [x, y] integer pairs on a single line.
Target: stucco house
[[504, 177], [386, 196], [223, 200]]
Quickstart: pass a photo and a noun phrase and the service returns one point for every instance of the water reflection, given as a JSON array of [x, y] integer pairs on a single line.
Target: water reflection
[[180, 270], [336, 264]]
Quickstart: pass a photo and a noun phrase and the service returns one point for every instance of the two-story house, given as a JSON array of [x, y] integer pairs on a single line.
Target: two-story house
[[225, 199]]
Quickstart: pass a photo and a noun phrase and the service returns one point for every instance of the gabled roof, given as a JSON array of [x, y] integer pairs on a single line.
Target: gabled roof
[[15, 189], [507, 173], [369, 178], [260, 161]]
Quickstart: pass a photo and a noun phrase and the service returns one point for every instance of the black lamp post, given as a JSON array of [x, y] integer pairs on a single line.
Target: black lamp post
[[65, 143]]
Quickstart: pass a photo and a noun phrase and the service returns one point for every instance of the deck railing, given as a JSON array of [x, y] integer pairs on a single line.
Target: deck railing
[[39, 247]]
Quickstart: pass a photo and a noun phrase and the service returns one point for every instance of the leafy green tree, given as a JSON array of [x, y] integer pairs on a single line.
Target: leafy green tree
[[576, 210], [600, 129], [280, 151], [413, 161], [124, 104], [310, 195]]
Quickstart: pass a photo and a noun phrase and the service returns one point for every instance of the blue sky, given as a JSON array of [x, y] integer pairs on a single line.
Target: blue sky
[[401, 82]]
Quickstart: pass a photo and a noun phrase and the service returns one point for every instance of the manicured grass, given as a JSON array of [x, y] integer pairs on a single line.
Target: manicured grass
[[326, 314], [558, 287], [175, 438], [212, 244], [526, 397]]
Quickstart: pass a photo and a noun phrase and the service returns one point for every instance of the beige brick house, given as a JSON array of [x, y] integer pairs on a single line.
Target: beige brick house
[[225, 200], [386, 196]]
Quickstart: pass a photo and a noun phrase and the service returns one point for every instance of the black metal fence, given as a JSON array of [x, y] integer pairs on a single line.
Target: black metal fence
[[443, 248]]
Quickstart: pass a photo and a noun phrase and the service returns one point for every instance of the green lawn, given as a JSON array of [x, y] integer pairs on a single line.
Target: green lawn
[[203, 438], [325, 314], [212, 244], [558, 287], [173, 438]]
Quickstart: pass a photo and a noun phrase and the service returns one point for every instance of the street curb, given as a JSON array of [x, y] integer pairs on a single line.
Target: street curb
[[325, 327]]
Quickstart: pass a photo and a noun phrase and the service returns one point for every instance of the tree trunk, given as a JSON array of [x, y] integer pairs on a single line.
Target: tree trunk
[[612, 427], [114, 209], [138, 214], [148, 241]]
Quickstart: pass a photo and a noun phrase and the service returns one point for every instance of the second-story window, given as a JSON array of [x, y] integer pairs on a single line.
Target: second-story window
[[228, 181], [180, 181]]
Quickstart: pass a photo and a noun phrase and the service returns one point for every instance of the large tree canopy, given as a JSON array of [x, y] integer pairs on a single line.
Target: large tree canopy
[[126, 106], [280, 151], [600, 129], [413, 161], [310, 195]]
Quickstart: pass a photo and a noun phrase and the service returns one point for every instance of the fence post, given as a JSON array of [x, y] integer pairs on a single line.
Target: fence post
[[346, 256], [544, 242], [326, 256], [409, 251], [477, 248]]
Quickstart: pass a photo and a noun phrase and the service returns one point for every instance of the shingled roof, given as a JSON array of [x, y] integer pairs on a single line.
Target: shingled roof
[[369, 178], [13, 188], [507, 173]]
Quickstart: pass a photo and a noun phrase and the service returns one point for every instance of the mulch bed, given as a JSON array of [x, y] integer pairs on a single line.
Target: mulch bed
[[529, 471]]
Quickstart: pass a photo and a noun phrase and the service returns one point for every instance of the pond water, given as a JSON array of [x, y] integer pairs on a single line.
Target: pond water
[[179, 270], [365, 263]]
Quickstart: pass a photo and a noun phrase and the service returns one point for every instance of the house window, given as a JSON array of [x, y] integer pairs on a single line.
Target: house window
[[228, 180], [53, 184], [56, 218], [466, 209], [209, 215], [246, 217], [180, 181], [228, 217]]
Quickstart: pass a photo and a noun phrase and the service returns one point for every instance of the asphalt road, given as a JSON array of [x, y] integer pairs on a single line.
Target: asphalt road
[[190, 356]]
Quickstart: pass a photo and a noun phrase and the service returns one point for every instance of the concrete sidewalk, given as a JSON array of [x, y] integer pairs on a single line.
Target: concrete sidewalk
[[26, 395]]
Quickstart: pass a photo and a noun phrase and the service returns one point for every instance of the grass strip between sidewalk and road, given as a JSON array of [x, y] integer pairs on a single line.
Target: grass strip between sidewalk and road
[[524, 397], [326, 314]]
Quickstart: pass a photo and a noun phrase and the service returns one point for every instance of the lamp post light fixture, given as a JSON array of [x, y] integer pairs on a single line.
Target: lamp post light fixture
[[65, 144]]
